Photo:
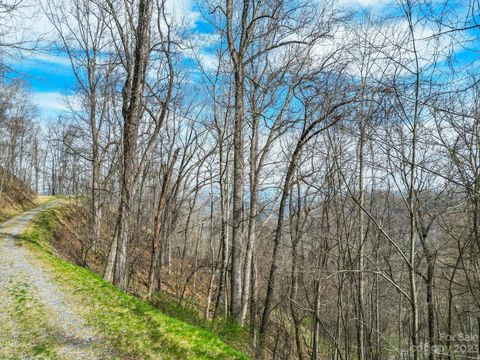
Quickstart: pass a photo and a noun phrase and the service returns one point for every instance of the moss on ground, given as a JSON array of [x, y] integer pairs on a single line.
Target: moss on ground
[[224, 327], [135, 328], [24, 328]]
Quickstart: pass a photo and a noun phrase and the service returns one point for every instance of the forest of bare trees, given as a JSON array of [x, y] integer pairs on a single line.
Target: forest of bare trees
[[306, 171]]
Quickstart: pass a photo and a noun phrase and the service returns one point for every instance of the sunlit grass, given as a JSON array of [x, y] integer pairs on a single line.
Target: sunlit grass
[[137, 329], [24, 331]]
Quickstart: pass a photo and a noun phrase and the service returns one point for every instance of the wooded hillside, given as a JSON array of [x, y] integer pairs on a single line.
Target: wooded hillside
[[15, 195], [304, 170]]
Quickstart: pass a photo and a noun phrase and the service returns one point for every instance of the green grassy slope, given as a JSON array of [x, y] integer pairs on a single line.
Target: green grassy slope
[[136, 329]]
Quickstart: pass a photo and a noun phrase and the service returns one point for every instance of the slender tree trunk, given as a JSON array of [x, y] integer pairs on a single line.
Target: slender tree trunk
[[237, 211], [252, 222], [158, 221], [412, 202], [271, 282], [430, 310], [306, 135], [132, 93], [223, 242], [316, 325], [361, 241], [237, 57], [96, 202], [293, 294], [253, 301]]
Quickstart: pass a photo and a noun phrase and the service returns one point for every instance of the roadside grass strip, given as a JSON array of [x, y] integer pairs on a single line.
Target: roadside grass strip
[[136, 329]]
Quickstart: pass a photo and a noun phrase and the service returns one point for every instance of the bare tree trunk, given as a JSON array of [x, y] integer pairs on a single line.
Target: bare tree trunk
[[253, 301], [222, 279], [158, 222], [237, 57], [252, 222], [237, 210], [307, 134], [131, 111], [316, 325], [271, 282], [361, 241], [96, 203], [412, 195]]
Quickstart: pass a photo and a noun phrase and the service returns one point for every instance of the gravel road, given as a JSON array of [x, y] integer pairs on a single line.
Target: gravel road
[[37, 321]]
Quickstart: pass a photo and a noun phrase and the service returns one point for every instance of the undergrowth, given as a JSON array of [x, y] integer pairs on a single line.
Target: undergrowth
[[137, 329]]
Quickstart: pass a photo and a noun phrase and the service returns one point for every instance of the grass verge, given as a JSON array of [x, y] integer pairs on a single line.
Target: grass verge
[[224, 327], [135, 328], [25, 329], [9, 209]]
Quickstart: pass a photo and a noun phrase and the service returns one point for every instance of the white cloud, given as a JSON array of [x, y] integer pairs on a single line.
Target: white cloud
[[370, 2], [51, 59], [29, 22], [42, 63], [182, 11], [49, 100], [363, 3], [26, 26], [51, 103], [385, 48]]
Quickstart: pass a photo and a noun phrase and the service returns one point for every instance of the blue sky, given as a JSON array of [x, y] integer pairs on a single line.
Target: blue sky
[[50, 76], [50, 79]]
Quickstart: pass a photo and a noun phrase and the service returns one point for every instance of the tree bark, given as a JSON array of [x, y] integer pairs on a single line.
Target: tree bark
[[131, 111]]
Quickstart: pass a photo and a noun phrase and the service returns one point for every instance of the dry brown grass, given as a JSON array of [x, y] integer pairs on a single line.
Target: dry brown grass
[[15, 196]]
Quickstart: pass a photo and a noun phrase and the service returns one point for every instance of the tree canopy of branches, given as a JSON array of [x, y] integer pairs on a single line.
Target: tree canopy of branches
[[307, 172]]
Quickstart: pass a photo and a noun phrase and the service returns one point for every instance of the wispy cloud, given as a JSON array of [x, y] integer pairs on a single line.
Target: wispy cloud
[[364, 3], [50, 58], [51, 104]]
